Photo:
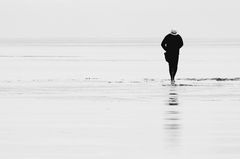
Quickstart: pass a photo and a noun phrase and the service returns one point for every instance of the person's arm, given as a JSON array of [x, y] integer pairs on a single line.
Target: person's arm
[[164, 44], [180, 42]]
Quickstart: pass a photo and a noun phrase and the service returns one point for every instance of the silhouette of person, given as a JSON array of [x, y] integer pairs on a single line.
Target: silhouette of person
[[171, 44]]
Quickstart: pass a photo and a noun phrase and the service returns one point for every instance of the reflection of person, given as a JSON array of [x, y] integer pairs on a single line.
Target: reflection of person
[[171, 44]]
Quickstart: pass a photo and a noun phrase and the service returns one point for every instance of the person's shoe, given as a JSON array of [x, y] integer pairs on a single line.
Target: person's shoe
[[172, 82]]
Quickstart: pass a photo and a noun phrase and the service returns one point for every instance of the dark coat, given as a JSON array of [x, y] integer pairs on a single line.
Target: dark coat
[[172, 43]]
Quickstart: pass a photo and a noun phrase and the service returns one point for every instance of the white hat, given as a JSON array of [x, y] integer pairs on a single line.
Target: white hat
[[174, 32]]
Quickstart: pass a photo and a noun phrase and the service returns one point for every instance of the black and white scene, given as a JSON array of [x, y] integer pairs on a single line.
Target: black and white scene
[[129, 79]]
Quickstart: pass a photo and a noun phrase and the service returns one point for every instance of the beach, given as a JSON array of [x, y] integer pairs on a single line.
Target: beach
[[100, 102]]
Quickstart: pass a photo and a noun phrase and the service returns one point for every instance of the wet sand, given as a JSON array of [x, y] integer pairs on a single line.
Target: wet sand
[[116, 106]]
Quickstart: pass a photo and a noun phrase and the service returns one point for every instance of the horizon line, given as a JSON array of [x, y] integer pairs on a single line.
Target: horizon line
[[128, 41]]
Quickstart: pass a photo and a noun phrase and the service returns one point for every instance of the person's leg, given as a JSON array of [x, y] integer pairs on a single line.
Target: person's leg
[[174, 70], [175, 67], [171, 71]]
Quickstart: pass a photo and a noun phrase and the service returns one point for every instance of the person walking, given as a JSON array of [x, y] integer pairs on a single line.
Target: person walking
[[172, 44]]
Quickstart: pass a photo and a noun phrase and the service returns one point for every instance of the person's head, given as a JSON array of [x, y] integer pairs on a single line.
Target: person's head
[[174, 32]]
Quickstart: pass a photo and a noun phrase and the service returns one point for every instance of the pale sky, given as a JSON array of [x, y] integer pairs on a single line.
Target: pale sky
[[119, 18]]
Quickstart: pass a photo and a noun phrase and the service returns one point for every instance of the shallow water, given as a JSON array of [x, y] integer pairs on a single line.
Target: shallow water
[[116, 102]]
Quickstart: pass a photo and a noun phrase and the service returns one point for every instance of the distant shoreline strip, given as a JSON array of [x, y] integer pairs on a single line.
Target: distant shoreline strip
[[116, 42]]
